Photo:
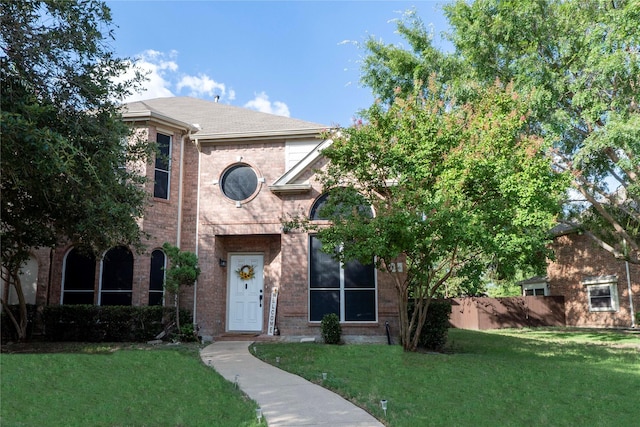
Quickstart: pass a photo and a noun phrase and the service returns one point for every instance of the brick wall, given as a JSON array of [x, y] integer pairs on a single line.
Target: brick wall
[[577, 258], [211, 225], [256, 226]]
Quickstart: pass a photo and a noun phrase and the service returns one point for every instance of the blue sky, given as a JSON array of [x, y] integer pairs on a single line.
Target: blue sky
[[294, 58]]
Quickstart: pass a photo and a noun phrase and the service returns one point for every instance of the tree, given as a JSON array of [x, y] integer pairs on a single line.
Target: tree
[[64, 154], [580, 63], [457, 188], [184, 271]]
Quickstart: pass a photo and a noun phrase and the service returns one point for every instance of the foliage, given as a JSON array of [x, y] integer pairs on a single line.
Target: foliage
[[119, 385], [183, 271], [578, 61], [188, 333], [62, 151], [105, 323], [331, 329], [457, 188], [436, 326], [482, 377], [8, 331]]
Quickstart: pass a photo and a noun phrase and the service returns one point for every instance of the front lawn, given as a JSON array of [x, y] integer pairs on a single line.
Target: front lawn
[[555, 377], [116, 385]]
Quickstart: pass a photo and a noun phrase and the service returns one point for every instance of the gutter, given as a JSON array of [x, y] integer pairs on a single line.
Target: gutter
[[268, 134], [144, 115]]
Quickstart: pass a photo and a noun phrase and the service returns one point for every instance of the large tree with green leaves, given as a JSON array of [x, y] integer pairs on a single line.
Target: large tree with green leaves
[[579, 63], [64, 148], [456, 188]]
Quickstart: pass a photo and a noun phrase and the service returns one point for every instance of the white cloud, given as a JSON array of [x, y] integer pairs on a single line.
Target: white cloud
[[201, 85], [157, 68], [163, 78], [261, 103]]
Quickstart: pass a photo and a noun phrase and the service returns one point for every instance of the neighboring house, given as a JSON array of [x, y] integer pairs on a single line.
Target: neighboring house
[[226, 179], [596, 287]]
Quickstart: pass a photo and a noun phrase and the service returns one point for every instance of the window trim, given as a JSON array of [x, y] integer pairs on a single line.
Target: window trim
[[611, 282], [535, 286], [164, 171], [259, 181], [164, 276], [342, 291]]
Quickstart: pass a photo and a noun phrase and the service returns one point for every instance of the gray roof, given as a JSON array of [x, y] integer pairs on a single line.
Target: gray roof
[[219, 121], [534, 280]]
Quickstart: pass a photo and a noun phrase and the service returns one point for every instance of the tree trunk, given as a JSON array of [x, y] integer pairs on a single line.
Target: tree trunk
[[20, 324], [176, 302]]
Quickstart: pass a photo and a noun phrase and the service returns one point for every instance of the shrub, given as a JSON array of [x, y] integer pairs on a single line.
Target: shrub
[[8, 330], [436, 327], [106, 323], [637, 317], [331, 329], [435, 330], [187, 333]]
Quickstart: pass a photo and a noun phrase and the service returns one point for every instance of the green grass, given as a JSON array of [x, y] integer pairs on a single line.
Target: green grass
[[556, 377], [500, 378], [102, 385]]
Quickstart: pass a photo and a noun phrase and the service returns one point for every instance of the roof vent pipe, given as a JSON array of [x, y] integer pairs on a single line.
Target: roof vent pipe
[[216, 98]]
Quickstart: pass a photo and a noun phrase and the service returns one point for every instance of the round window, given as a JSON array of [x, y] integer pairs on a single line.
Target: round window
[[239, 182]]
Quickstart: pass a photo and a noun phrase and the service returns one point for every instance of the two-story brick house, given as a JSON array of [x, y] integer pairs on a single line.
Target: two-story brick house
[[225, 179]]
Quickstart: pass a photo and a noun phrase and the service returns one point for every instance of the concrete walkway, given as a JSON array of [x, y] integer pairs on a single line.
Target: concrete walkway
[[285, 399]]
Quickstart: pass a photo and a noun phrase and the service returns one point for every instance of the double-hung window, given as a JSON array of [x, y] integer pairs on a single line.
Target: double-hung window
[[162, 167], [348, 290], [602, 293]]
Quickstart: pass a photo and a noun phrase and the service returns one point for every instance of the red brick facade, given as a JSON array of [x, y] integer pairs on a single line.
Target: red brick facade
[[198, 217], [579, 261]]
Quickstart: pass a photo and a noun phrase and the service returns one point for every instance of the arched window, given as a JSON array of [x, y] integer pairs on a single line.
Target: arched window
[[156, 277], [79, 275], [348, 290], [342, 208], [117, 277], [317, 207]]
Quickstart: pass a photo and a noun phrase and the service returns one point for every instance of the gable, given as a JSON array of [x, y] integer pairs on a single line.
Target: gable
[[295, 179]]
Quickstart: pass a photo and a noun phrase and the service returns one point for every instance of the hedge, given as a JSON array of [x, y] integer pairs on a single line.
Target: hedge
[[93, 323]]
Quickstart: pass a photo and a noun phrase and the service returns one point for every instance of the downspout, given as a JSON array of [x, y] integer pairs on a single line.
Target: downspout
[[632, 311], [626, 264], [195, 286], [180, 184]]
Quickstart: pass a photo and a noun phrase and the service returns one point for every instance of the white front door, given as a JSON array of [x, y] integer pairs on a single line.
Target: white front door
[[246, 296]]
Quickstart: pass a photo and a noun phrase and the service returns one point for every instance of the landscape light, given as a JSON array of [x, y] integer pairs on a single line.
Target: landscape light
[[383, 403]]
